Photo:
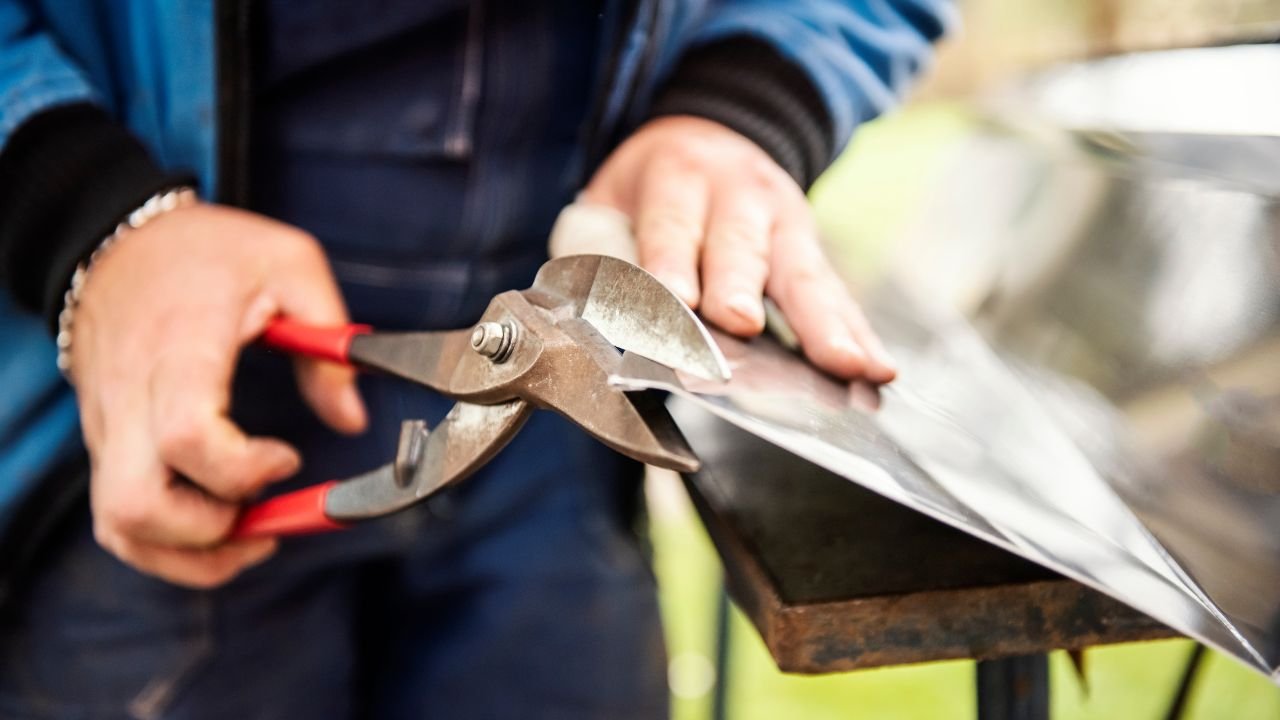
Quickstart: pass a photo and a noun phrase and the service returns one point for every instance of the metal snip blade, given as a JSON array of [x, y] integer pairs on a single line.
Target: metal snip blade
[[661, 443], [635, 424], [635, 311], [468, 437]]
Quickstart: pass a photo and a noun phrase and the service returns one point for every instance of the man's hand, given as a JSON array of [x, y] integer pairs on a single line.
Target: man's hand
[[161, 321], [722, 224]]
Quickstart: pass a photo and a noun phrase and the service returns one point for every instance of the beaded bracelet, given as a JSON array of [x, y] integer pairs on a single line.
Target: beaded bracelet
[[158, 204]]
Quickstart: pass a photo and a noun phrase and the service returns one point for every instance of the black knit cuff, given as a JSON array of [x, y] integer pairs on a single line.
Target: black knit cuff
[[67, 176], [746, 85]]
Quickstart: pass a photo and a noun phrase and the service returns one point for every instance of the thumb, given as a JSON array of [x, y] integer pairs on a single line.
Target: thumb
[[585, 227]]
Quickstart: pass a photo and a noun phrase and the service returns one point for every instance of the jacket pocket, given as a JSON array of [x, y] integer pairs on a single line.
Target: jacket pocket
[[401, 87]]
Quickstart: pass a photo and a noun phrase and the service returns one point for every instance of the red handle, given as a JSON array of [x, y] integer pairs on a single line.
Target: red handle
[[326, 343], [300, 512]]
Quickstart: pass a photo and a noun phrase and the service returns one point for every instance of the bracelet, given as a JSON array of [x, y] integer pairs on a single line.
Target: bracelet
[[155, 206]]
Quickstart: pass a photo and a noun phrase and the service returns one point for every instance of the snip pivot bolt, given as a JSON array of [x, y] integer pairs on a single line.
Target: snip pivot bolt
[[494, 340]]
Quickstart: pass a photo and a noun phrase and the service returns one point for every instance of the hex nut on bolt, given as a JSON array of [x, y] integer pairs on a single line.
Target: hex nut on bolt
[[493, 340]]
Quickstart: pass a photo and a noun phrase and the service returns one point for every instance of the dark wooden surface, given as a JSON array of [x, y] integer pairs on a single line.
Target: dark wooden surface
[[836, 577]]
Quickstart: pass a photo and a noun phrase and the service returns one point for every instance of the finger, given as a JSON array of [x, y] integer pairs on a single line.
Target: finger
[[812, 306], [816, 302], [331, 392], [328, 388], [881, 368], [135, 497], [588, 228], [197, 569], [735, 261], [193, 435], [798, 253], [611, 187], [309, 293], [671, 218]]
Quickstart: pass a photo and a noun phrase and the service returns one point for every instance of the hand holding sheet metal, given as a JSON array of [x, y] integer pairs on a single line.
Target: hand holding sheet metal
[[1088, 325]]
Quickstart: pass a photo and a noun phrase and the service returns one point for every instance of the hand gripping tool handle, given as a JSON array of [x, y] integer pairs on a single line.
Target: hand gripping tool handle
[[323, 343], [300, 512]]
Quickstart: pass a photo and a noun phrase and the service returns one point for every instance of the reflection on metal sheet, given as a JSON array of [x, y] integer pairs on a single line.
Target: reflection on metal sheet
[[1198, 90], [1090, 351]]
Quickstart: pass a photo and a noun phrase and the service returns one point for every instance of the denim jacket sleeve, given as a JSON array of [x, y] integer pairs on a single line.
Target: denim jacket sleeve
[[34, 72], [68, 169], [861, 55], [796, 78]]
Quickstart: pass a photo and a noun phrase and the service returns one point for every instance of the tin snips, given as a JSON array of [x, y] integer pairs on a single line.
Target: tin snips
[[552, 346]]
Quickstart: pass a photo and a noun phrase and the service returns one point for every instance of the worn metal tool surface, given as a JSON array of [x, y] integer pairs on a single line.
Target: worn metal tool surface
[[553, 346]]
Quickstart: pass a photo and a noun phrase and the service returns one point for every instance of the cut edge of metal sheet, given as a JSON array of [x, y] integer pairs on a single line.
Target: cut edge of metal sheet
[[641, 376], [769, 434]]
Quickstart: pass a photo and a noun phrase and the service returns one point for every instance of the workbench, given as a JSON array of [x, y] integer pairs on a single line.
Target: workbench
[[836, 578]]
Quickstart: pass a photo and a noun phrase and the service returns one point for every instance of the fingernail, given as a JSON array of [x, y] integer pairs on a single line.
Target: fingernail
[[679, 285], [880, 354], [259, 553], [353, 408], [885, 358], [289, 462], [747, 307], [844, 345], [279, 458]]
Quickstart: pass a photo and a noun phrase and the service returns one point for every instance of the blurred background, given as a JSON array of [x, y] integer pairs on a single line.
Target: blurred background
[[864, 203], [1003, 39]]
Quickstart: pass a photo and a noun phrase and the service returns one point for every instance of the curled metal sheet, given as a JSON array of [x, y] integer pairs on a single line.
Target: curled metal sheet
[[1090, 347]]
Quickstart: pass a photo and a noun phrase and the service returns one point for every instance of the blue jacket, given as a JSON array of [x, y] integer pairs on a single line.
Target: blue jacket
[[166, 69]]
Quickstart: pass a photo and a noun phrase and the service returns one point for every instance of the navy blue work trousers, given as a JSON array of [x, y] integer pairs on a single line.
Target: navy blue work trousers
[[521, 593]]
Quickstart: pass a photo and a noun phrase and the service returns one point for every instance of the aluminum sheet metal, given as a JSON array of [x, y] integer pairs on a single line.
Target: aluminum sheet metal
[[1088, 328]]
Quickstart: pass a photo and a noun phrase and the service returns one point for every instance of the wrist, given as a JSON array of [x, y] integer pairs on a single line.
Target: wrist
[[67, 176], [158, 204], [746, 85]]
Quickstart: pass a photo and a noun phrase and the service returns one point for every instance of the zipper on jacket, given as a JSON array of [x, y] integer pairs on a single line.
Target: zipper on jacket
[[232, 83]]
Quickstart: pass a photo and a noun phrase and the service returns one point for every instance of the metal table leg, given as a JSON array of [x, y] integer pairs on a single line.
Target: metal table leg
[[720, 700], [1014, 688]]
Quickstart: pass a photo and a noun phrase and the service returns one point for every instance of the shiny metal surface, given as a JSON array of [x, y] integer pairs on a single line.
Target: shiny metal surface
[[1211, 90], [633, 310], [1089, 336], [468, 437], [554, 346]]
